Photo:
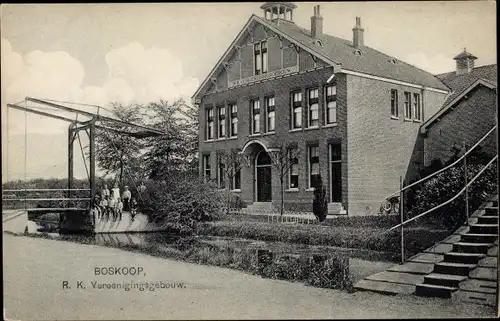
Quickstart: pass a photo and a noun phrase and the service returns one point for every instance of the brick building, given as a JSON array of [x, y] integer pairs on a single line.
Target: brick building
[[343, 110], [467, 114]]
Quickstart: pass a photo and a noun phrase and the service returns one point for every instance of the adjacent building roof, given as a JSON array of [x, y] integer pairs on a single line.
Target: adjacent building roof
[[459, 83], [464, 54], [341, 51]]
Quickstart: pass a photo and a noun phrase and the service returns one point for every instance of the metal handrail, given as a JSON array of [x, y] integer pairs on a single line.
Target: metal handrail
[[448, 201], [45, 189], [445, 168]]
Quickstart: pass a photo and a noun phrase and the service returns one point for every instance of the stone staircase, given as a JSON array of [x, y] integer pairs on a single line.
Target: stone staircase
[[462, 267], [456, 266]]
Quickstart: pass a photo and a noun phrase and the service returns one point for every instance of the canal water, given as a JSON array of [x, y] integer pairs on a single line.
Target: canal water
[[321, 266]]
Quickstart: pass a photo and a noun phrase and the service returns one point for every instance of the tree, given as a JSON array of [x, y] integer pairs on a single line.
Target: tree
[[283, 160], [177, 151], [116, 152], [233, 163]]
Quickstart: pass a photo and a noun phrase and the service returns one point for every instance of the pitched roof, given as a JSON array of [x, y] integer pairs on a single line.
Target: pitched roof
[[341, 51], [464, 54], [449, 105], [370, 61], [459, 83]]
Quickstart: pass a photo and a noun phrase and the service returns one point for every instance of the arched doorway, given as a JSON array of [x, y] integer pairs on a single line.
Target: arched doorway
[[263, 189]]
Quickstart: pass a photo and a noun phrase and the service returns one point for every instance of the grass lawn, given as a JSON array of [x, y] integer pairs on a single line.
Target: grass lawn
[[363, 236]]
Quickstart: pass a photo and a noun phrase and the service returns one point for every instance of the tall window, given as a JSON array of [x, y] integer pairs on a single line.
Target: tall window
[[236, 181], [313, 107], [313, 165], [293, 173], [416, 107], [271, 116], [296, 109], [331, 104], [234, 120], [255, 105], [394, 103], [260, 55], [210, 123], [222, 176], [206, 167], [222, 121], [407, 105]]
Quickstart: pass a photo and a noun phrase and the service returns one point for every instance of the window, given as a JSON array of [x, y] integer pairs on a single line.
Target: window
[[206, 167], [271, 116], [210, 123], [407, 105], [222, 175], [313, 165], [416, 107], [331, 104], [296, 109], [222, 121], [313, 107], [255, 105], [293, 173], [260, 55], [234, 120], [394, 103], [236, 181]]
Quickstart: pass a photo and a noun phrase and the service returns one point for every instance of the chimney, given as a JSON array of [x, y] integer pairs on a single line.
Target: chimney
[[465, 62], [316, 23], [357, 34]]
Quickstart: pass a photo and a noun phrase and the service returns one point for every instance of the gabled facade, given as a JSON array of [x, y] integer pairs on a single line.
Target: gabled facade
[[352, 112]]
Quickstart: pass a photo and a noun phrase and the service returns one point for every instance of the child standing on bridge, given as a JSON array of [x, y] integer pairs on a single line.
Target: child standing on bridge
[[104, 208], [119, 209], [133, 208], [111, 208], [126, 195]]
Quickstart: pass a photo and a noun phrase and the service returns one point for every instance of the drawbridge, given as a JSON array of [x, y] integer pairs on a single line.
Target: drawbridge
[[72, 205]]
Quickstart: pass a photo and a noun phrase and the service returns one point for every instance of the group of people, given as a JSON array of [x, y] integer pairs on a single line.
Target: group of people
[[109, 204]]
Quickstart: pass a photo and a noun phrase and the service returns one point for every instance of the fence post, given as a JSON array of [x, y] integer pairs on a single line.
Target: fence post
[[401, 211], [466, 189]]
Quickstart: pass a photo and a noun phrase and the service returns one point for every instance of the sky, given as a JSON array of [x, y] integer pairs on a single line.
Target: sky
[[102, 53]]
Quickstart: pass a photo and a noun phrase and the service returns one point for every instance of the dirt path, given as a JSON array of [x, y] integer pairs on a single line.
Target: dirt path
[[35, 269]]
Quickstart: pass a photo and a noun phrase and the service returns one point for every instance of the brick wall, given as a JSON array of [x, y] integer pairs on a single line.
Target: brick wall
[[471, 119], [379, 148], [281, 88]]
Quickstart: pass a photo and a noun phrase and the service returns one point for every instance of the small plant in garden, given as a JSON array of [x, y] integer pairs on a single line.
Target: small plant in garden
[[320, 205]]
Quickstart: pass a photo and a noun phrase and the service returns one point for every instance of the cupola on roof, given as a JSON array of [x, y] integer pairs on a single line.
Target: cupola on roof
[[278, 10]]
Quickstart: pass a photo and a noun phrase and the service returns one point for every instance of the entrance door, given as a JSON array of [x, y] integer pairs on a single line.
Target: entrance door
[[263, 177], [336, 173]]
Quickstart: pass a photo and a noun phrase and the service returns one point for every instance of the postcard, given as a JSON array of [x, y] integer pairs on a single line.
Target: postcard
[[274, 160]]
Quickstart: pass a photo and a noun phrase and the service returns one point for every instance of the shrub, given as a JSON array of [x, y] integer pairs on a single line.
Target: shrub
[[183, 200], [445, 186], [235, 202], [320, 205]]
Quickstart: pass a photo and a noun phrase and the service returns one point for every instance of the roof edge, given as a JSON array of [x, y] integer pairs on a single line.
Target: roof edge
[[443, 109]]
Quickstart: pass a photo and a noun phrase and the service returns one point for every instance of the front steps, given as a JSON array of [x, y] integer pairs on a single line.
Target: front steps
[[260, 206], [462, 267], [459, 264], [336, 209]]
